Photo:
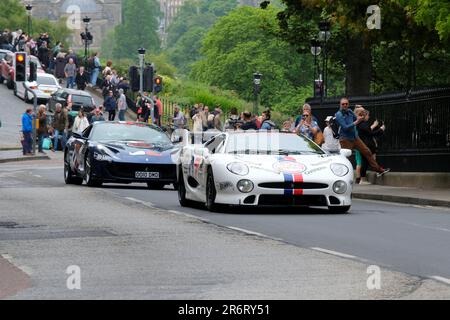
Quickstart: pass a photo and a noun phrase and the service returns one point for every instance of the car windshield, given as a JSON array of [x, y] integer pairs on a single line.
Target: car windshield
[[82, 100], [46, 81], [129, 132], [271, 143]]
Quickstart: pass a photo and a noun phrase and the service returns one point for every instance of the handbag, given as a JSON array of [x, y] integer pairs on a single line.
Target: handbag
[[319, 138], [47, 144]]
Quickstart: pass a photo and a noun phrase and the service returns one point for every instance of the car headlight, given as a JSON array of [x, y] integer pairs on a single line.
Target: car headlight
[[245, 186], [340, 187], [238, 168], [339, 169]]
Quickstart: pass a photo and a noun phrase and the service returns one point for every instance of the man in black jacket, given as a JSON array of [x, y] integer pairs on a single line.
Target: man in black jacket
[[81, 79]]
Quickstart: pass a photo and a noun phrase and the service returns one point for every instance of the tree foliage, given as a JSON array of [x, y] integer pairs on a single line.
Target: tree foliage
[[244, 42], [189, 27], [138, 29]]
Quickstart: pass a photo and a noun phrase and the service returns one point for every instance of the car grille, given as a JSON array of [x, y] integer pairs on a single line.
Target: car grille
[[293, 185], [298, 200], [128, 170]]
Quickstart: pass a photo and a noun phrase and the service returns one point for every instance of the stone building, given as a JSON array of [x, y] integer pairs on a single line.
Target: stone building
[[104, 14]]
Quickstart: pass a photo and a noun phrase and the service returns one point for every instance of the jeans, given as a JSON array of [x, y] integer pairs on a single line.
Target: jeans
[[28, 142], [70, 82], [111, 115], [56, 135], [94, 76], [41, 141], [121, 115]]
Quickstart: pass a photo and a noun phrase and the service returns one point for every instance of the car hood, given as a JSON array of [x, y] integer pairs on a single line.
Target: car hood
[[294, 164], [140, 152]]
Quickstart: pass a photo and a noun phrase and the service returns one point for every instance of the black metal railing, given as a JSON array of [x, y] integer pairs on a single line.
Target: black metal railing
[[417, 136]]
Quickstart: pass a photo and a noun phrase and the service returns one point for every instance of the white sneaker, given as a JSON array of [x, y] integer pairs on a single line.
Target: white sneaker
[[364, 183]]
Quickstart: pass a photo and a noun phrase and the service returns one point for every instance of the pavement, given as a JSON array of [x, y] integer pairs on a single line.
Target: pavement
[[17, 155]]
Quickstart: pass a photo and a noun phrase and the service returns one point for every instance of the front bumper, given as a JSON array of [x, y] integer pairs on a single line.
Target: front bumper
[[126, 172]]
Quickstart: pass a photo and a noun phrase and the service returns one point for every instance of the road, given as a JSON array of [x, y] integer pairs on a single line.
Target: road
[[134, 243]]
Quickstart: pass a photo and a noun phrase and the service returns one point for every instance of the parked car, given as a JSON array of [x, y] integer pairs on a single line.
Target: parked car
[[7, 68], [72, 99], [44, 86]]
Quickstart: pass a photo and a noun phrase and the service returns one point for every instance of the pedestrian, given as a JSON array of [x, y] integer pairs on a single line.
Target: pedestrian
[[217, 122], [80, 123], [331, 143], [306, 107], [368, 134], [349, 138], [249, 122], [359, 109], [233, 119], [43, 55], [197, 120], [97, 116], [60, 126], [110, 106], [70, 72], [266, 123], [307, 126], [205, 117], [27, 131], [158, 111], [73, 56], [60, 64], [42, 131], [107, 71], [107, 86], [287, 126], [179, 119], [81, 79], [96, 66], [122, 105]]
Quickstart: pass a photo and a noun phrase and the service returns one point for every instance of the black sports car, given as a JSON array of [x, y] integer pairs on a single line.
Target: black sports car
[[121, 152]]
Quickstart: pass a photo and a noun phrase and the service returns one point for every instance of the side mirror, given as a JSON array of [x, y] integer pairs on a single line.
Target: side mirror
[[76, 135], [346, 153]]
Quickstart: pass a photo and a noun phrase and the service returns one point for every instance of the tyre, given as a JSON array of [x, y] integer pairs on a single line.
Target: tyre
[[69, 177], [211, 192], [15, 90], [182, 192], [155, 185], [339, 210], [10, 84], [88, 178]]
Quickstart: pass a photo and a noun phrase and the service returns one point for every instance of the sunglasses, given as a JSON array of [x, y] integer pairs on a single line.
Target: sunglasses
[[344, 104]]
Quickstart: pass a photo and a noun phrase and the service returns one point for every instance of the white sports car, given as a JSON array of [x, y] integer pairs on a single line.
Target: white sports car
[[264, 168]]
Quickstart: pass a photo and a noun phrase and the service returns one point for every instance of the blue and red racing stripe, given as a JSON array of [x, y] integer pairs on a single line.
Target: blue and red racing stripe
[[293, 178]]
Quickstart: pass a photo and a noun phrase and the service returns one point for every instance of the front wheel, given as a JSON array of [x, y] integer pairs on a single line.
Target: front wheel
[[339, 210], [211, 192], [10, 84], [90, 180], [69, 177], [184, 202]]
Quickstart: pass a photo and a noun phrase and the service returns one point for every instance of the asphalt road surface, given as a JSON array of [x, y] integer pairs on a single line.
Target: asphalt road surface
[[405, 238]]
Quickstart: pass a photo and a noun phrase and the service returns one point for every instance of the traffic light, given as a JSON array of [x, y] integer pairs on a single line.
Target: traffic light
[[87, 36], [158, 83], [33, 72], [20, 72], [148, 78], [134, 78]]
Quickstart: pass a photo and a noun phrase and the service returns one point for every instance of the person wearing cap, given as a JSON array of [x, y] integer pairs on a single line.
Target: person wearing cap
[[331, 144]]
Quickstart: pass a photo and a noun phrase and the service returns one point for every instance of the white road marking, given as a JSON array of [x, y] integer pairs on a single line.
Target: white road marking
[[37, 176], [148, 204], [441, 279], [253, 233], [27, 270], [428, 227], [334, 253], [189, 215]]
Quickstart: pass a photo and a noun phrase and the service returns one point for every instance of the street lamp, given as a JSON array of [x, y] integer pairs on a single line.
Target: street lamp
[[324, 36], [316, 49], [86, 37], [29, 7], [256, 88], [141, 52]]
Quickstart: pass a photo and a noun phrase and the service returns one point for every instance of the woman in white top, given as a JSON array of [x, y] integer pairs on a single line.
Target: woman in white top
[[331, 144], [198, 121], [80, 123]]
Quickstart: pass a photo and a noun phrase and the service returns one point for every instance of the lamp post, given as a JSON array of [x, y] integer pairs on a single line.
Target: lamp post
[[324, 36], [86, 36], [29, 7], [316, 49], [256, 88], [141, 52]]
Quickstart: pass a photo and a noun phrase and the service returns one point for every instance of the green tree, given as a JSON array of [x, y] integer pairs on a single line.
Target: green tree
[[139, 28], [244, 42], [189, 27]]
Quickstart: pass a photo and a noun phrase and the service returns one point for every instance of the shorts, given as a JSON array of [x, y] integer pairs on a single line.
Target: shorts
[[358, 158]]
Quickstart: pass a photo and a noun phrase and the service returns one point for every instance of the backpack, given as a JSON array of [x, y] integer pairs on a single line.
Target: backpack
[[334, 128]]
